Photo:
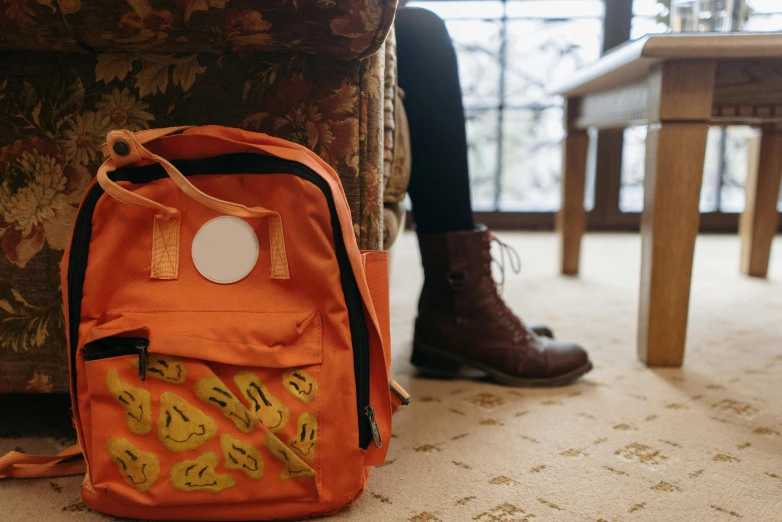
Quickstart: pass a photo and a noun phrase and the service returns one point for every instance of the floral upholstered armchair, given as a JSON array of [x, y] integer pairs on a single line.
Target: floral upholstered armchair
[[317, 72]]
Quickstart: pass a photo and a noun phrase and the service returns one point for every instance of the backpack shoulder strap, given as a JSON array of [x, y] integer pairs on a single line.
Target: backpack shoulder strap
[[20, 465]]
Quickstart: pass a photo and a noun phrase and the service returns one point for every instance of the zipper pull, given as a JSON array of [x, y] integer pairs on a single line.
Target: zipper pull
[[369, 411], [141, 346]]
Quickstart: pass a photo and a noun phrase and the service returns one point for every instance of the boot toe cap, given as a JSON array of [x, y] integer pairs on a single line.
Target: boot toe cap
[[565, 357], [555, 358]]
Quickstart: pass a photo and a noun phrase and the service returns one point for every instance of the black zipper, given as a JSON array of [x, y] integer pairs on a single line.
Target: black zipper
[[117, 347], [240, 163]]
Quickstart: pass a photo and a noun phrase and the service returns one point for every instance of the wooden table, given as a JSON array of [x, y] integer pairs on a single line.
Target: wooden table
[[677, 85]]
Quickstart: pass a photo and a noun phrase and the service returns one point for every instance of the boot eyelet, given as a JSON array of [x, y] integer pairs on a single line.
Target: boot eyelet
[[457, 280], [121, 148]]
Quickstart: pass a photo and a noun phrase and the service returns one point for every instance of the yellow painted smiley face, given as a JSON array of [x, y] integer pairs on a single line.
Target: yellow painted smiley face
[[215, 393], [165, 368], [139, 469], [181, 426], [306, 436], [271, 411], [200, 475], [301, 384], [242, 455], [136, 402], [294, 467]]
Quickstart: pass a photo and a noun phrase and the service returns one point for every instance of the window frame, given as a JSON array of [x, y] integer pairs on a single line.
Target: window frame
[[605, 213]]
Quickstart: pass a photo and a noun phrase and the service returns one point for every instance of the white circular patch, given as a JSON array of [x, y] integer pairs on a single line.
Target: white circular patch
[[225, 249]]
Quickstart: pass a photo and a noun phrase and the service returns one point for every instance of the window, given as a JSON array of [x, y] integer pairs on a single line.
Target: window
[[511, 51]]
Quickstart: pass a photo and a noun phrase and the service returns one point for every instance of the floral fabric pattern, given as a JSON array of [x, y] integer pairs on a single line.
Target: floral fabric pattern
[[343, 29], [38, 198], [36, 25], [371, 147], [56, 108]]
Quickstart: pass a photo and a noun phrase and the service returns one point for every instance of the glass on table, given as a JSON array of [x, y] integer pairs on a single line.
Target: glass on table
[[702, 15]]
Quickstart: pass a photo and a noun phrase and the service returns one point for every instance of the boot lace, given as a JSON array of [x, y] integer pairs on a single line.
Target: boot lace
[[513, 258], [494, 288]]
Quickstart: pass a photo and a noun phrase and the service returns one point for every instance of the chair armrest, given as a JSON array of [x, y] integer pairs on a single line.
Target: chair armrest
[[345, 29]]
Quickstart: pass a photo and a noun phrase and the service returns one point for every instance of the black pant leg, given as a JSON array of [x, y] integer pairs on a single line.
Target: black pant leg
[[428, 73]]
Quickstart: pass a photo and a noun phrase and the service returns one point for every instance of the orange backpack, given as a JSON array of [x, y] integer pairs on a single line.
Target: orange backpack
[[266, 398]]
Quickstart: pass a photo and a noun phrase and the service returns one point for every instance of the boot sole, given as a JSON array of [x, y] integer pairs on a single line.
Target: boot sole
[[447, 366]]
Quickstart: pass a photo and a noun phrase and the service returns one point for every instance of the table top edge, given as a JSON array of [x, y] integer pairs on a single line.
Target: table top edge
[[633, 59]]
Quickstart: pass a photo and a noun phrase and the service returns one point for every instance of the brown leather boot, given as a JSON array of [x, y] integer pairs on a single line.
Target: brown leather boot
[[462, 320]]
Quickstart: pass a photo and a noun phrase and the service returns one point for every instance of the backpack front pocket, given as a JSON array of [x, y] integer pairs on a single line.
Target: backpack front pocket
[[192, 406]]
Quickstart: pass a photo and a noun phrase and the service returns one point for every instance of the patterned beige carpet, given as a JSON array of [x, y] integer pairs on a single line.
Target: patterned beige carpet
[[628, 444]]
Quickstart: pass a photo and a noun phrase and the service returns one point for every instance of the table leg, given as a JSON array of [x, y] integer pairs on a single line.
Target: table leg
[[571, 219], [669, 225], [759, 221]]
